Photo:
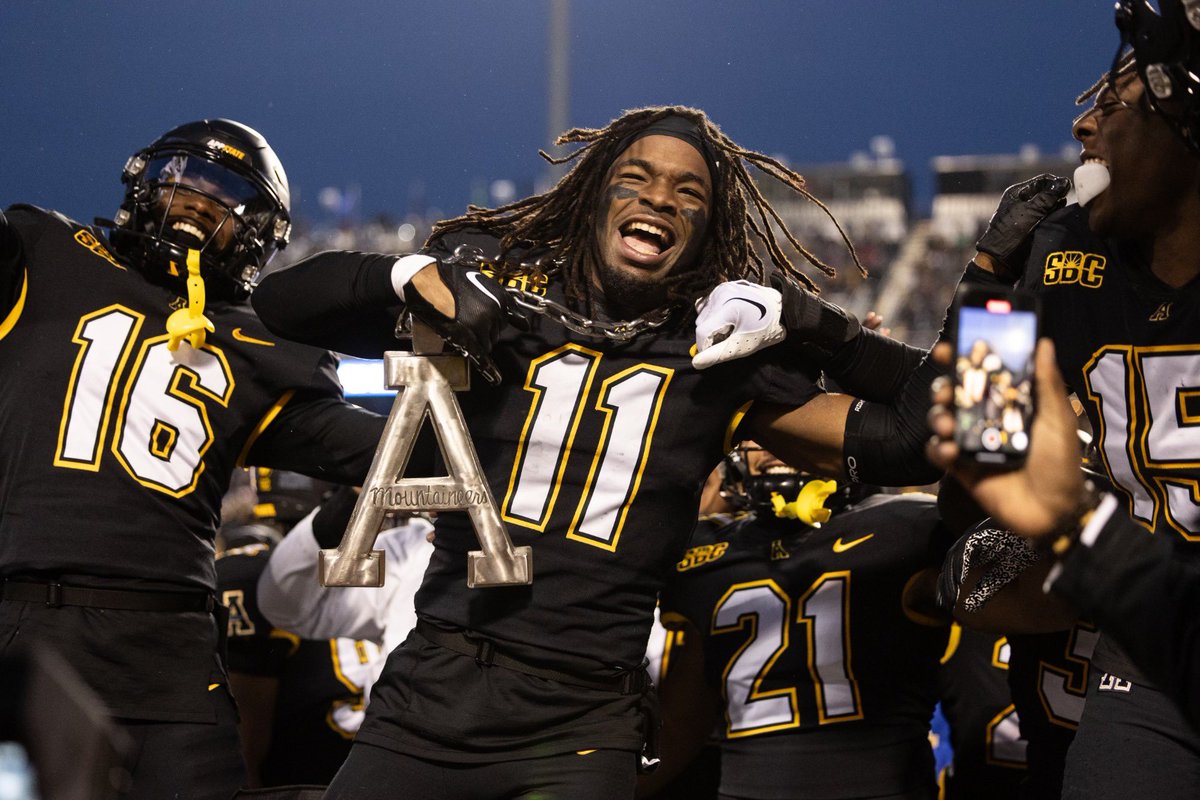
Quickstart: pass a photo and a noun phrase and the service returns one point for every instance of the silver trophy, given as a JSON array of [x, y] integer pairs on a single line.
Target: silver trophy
[[426, 380]]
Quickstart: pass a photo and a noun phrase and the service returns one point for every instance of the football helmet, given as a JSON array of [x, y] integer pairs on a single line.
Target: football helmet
[[754, 481], [1166, 52], [287, 497], [214, 186]]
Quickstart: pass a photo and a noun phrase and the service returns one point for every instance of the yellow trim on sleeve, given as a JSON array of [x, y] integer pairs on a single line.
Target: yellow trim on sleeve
[[952, 644], [11, 320], [262, 425], [734, 422]]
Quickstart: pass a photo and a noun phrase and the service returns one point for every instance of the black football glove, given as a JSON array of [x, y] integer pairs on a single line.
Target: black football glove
[[950, 579], [1009, 236], [481, 310]]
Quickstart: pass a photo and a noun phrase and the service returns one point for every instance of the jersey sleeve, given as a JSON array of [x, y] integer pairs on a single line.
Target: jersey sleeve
[[12, 276], [340, 300], [313, 430]]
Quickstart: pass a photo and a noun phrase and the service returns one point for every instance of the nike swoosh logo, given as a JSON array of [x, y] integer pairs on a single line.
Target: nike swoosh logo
[[475, 278], [762, 310], [840, 547], [241, 337]]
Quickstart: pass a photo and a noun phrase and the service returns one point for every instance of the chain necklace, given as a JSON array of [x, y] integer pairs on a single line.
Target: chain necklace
[[619, 331]]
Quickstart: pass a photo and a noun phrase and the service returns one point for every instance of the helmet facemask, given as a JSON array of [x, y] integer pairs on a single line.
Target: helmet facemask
[[776, 490], [214, 187]]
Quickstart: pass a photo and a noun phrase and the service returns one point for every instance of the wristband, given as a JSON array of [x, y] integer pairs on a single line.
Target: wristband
[[1064, 537], [404, 269]]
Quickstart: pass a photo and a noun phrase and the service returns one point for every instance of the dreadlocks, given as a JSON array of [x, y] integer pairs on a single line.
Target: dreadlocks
[[563, 218], [1121, 65]]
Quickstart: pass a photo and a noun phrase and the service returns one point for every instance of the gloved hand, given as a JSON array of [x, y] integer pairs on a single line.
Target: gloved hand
[[1009, 235], [735, 319], [1001, 554], [481, 310], [738, 318]]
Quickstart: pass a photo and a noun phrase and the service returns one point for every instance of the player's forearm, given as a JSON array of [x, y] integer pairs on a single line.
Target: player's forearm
[[1134, 586], [341, 301], [884, 443]]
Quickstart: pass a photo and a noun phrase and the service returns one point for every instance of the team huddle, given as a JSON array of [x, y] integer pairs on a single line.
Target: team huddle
[[736, 591]]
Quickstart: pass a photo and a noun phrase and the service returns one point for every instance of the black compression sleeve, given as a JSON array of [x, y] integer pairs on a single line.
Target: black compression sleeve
[[332, 518], [873, 366], [341, 301], [320, 436], [885, 444]]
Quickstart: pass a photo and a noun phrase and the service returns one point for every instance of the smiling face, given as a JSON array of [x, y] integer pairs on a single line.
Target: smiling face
[[658, 195], [1151, 171], [192, 218]]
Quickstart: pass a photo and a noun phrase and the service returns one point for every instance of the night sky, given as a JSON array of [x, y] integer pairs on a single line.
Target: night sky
[[423, 103]]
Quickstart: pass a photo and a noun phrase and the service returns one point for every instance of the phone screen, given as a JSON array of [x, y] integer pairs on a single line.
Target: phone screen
[[993, 392]]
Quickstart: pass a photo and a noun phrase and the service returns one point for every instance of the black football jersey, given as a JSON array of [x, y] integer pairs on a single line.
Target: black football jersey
[[322, 684], [114, 451], [1129, 347], [1048, 676], [596, 452], [989, 751], [828, 682]]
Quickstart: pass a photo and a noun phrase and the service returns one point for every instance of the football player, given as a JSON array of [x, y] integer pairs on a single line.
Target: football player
[[300, 698], [1116, 277], [135, 378], [810, 615], [595, 438]]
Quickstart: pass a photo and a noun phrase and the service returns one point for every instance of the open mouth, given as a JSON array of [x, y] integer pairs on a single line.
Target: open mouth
[[646, 238], [777, 468], [188, 233]]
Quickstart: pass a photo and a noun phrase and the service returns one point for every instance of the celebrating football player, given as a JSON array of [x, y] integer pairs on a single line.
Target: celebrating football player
[[595, 438], [135, 377]]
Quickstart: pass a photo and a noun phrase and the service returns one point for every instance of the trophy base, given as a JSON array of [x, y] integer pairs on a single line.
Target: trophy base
[[350, 569], [484, 571]]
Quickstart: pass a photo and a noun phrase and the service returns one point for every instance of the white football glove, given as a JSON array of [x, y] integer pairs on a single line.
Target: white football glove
[[737, 318]]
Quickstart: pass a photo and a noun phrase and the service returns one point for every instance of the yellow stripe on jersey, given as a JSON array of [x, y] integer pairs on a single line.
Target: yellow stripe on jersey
[[734, 423], [262, 425], [11, 320]]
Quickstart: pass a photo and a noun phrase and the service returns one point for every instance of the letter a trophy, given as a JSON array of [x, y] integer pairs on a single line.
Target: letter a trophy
[[426, 379]]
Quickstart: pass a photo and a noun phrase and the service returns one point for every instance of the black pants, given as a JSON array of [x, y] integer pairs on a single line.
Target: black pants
[[187, 760], [375, 773], [1131, 744]]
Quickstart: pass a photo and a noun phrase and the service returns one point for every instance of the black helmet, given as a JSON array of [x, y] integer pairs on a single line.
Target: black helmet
[[1166, 51], [775, 492], [226, 163]]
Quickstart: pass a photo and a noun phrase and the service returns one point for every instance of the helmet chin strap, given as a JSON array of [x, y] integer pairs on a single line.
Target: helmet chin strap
[[808, 507], [189, 324]]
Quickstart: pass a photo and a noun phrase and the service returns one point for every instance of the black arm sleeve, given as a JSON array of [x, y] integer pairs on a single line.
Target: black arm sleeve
[[320, 436], [875, 367], [10, 258], [1138, 590], [884, 443], [341, 301]]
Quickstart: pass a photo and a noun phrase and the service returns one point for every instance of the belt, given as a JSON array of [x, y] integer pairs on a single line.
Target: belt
[[485, 654], [55, 594]]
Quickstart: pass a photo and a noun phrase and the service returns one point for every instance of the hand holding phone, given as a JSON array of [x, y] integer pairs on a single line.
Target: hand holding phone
[[996, 333]]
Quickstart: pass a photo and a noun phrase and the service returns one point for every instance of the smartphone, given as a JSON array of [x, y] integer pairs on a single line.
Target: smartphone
[[996, 333]]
